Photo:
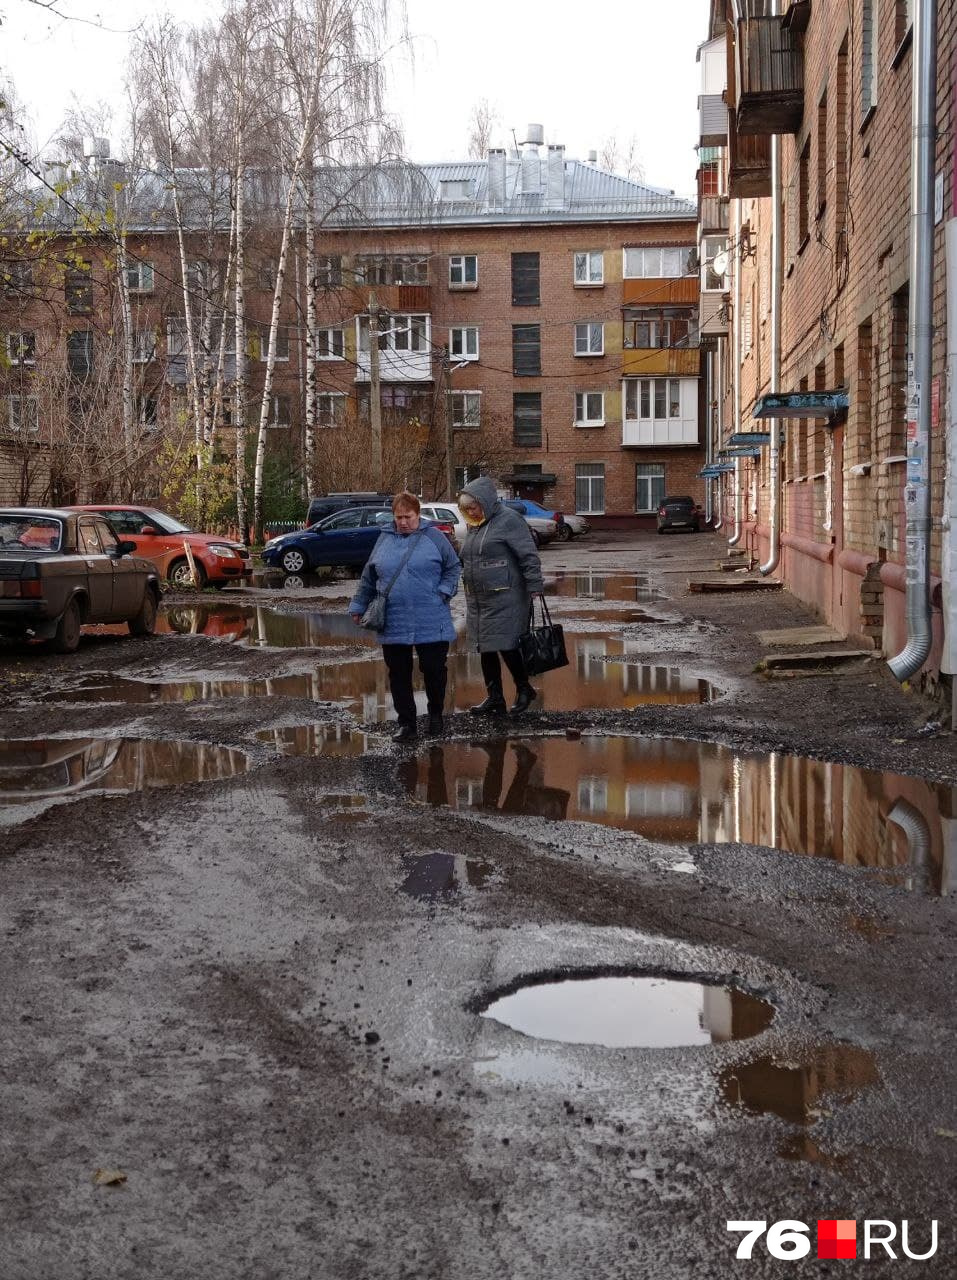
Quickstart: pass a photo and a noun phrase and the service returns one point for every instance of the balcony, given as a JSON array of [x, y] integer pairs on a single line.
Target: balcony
[[713, 114], [712, 214], [770, 63], [749, 164], [660, 292], [714, 315], [676, 362]]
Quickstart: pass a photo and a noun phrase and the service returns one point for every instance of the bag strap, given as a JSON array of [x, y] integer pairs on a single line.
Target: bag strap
[[402, 563], [546, 616]]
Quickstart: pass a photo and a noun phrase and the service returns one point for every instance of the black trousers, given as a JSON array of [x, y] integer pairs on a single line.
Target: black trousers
[[432, 659], [492, 668]]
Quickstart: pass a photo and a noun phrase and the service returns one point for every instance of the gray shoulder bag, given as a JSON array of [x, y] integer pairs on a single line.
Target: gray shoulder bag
[[374, 616]]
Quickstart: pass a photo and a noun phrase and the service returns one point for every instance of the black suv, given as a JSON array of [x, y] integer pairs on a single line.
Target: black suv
[[679, 513], [329, 503]]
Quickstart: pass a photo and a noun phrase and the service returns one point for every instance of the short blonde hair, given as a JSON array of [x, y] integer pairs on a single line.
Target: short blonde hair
[[406, 499]]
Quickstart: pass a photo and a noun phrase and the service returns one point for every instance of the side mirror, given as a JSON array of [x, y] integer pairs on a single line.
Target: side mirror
[[149, 531], [125, 548]]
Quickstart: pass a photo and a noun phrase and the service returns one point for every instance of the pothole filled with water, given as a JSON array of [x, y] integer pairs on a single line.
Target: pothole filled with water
[[681, 792], [632, 1012], [54, 768], [264, 627], [316, 740], [435, 874], [592, 584], [105, 689]]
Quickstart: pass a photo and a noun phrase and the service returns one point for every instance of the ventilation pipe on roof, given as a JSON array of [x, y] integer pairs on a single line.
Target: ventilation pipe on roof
[[774, 382], [919, 343], [592, 157], [555, 189], [496, 178], [736, 372]]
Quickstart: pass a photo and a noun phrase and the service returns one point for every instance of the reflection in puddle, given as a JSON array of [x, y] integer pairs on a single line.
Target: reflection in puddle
[[316, 740], [56, 767], [590, 584], [257, 627], [619, 1012], [795, 1091], [437, 873], [684, 792], [604, 616], [589, 681], [97, 688]]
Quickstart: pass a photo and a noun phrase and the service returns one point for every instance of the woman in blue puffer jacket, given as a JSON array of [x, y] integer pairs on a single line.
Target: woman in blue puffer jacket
[[417, 613]]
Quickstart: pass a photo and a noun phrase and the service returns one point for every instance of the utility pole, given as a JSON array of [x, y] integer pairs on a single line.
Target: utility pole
[[375, 392], [449, 438]]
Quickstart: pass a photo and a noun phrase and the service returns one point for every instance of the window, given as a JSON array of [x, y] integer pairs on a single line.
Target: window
[[328, 270], [649, 486], [653, 398], [526, 350], [655, 263], [466, 408], [330, 408], [17, 276], [589, 267], [822, 154], [23, 414], [265, 276], [866, 396], [589, 408], [526, 290], [279, 411], [463, 271], [282, 344], [78, 289], [375, 268], [747, 327], [402, 400], [709, 172], [88, 538], [397, 333], [667, 327], [527, 418], [329, 344], [868, 85], [346, 520], [147, 415], [589, 339], [903, 17], [465, 475], [592, 795], [804, 194], [21, 347], [144, 346], [900, 323], [590, 488], [464, 343], [842, 108], [456, 189], [79, 353], [139, 277], [711, 249]]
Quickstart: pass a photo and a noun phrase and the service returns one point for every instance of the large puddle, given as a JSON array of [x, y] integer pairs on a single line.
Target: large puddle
[[54, 768], [590, 584], [434, 875], [316, 740], [264, 627], [681, 792], [632, 1012]]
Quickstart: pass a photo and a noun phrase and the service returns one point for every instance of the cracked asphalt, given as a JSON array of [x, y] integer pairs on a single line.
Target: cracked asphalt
[[236, 992]]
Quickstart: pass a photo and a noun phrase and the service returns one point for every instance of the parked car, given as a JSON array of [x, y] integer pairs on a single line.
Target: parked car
[[329, 503], [449, 518], [159, 537], [569, 526], [60, 569], [679, 513], [343, 540], [544, 528]]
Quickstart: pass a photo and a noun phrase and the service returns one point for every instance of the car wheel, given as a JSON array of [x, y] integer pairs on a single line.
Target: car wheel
[[294, 581], [660, 530], [564, 533], [67, 636], [293, 560], [144, 624], [180, 575], [536, 537]]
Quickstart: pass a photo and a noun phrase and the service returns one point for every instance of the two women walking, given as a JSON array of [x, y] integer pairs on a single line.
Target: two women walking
[[501, 571]]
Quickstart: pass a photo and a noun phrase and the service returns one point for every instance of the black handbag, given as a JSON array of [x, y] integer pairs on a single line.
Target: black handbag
[[542, 648]]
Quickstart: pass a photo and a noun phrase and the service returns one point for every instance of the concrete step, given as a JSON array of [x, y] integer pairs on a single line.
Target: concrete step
[[711, 585], [816, 661], [794, 636]]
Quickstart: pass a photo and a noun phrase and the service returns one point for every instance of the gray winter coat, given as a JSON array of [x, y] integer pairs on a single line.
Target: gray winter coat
[[501, 571]]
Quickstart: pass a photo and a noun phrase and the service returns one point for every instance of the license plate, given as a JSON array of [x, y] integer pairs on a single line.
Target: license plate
[[679, 524]]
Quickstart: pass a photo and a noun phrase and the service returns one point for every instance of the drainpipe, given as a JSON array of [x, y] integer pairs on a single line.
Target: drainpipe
[[719, 426], [920, 340], [736, 370], [774, 380], [948, 568], [709, 423]]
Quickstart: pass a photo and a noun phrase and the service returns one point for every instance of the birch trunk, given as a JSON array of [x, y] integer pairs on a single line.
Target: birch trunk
[[239, 396], [126, 314], [312, 315]]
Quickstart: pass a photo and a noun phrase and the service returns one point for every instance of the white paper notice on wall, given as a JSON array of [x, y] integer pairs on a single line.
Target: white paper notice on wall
[[938, 199]]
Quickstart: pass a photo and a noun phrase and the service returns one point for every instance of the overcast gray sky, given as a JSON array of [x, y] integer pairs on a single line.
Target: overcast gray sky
[[584, 72]]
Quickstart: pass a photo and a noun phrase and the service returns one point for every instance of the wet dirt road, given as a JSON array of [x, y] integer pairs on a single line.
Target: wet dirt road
[[291, 981]]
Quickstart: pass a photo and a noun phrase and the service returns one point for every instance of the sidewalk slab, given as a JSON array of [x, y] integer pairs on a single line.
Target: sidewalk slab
[[795, 636]]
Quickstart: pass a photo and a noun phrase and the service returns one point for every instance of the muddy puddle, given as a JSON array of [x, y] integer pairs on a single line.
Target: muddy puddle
[[58, 768], [591, 584], [632, 1012], [264, 627], [684, 792], [316, 740], [434, 875], [120, 689]]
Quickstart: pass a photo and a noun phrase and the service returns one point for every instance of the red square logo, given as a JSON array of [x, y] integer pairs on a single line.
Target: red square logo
[[836, 1238]]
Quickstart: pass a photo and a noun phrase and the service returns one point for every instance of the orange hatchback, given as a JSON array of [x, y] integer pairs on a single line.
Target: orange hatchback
[[160, 538]]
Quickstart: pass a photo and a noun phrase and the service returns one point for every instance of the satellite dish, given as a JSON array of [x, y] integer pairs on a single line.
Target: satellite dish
[[720, 264]]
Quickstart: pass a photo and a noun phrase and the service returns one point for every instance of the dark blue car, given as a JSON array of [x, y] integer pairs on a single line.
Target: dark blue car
[[345, 539]]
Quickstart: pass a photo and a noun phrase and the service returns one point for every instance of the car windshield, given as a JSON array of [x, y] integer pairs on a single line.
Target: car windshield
[[29, 533], [163, 522]]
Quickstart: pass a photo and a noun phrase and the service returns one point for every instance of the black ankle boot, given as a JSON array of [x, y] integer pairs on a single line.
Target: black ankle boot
[[406, 733], [525, 695], [436, 725], [494, 704]]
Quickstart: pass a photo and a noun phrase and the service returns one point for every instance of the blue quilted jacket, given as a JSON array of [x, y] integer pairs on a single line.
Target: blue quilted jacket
[[417, 611]]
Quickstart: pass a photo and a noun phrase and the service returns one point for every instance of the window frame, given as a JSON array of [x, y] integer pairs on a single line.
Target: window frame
[[588, 255], [458, 407], [659, 475], [461, 260], [521, 274], [524, 348], [336, 402], [330, 331], [26, 351], [142, 269], [525, 409], [16, 428], [464, 354], [589, 326], [138, 346], [584, 421], [690, 251], [592, 508], [282, 333]]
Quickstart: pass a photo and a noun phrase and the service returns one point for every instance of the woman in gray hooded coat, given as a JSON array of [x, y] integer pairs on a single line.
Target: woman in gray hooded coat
[[501, 572]]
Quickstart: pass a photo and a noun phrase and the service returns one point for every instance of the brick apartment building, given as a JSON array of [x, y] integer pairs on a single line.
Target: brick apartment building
[[833, 82], [548, 308]]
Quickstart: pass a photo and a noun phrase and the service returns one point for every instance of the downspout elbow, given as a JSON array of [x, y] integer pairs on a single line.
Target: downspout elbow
[[912, 657]]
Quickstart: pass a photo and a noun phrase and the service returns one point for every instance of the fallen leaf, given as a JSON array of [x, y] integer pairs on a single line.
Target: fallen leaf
[[108, 1177], [945, 1133]]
